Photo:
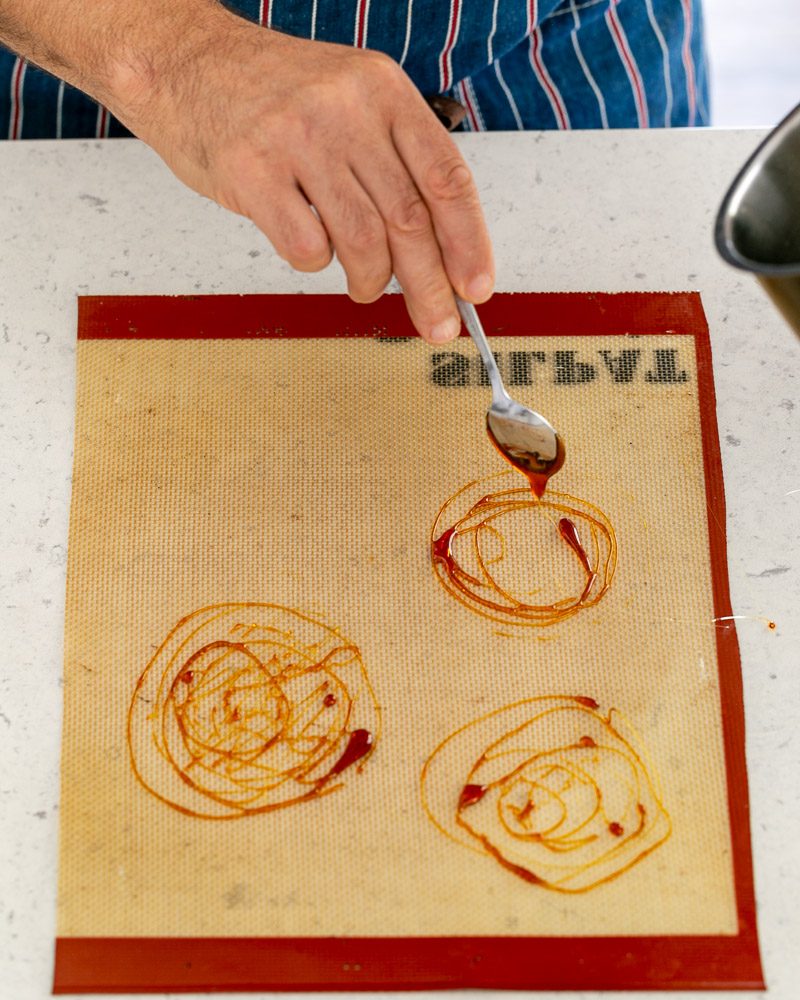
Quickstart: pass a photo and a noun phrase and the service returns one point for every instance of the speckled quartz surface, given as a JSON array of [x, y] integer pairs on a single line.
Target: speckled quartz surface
[[603, 211]]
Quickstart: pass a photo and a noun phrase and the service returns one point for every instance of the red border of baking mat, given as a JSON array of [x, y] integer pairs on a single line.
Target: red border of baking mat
[[85, 965]]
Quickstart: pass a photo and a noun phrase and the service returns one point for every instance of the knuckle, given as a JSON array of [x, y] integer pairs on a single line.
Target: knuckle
[[409, 217], [368, 284], [306, 254], [307, 264], [376, 86], [381, 65], [450, 180], [383, 60], [364, 293]]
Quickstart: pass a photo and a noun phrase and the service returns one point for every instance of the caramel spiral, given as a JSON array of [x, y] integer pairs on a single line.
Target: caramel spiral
[[472, 553], [550, 789], [246, 708]]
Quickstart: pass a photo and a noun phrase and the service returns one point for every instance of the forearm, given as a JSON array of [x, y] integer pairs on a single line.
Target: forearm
[[117, 51]]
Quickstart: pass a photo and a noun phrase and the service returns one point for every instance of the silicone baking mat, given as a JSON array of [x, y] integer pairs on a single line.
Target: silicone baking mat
[[346, 706]]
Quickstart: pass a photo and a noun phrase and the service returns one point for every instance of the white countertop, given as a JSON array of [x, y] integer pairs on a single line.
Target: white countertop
[[612, 211]]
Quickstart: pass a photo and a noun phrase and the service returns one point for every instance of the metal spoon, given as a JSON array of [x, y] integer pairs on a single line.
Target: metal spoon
[[522, 436]]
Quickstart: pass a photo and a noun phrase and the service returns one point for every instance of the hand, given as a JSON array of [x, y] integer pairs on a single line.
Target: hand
[[269, 125]]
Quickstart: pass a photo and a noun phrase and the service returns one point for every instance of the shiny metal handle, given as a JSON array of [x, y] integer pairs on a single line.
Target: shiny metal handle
[[500, 398]]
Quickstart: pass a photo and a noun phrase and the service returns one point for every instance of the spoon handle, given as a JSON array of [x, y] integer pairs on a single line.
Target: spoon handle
[[469, 314]]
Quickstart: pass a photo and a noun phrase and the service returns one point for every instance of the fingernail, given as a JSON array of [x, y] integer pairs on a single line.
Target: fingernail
[[480, 288], [448, 329]]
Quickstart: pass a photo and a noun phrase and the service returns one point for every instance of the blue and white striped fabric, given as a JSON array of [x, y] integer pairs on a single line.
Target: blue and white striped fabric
[[514, 64]]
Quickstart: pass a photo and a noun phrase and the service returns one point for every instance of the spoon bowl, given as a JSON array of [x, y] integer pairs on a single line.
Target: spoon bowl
[[522, 436]]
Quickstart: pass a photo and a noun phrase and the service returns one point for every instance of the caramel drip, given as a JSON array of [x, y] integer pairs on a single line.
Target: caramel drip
[[478, 588]]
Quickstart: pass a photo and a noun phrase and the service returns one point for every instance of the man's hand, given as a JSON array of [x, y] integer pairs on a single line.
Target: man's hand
[[269, 126]]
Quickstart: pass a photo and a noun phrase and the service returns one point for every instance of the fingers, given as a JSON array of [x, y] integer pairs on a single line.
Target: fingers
[[390, 190], [290, 225], [415, 255], [355, 227], [449, 192]]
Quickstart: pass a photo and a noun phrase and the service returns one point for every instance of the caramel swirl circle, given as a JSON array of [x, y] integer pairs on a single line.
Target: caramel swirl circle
[[550, 789], [246, 708], [520, 560]]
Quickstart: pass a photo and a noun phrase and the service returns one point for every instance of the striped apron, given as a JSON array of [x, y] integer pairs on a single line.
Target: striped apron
[[513, 64]]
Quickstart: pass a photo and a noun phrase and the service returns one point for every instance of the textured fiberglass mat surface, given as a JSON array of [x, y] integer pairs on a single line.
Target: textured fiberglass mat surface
[[346, 706]]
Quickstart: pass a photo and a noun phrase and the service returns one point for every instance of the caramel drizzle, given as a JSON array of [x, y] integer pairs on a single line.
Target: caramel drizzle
[[566, 836], [482, 593], [240, 730]]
